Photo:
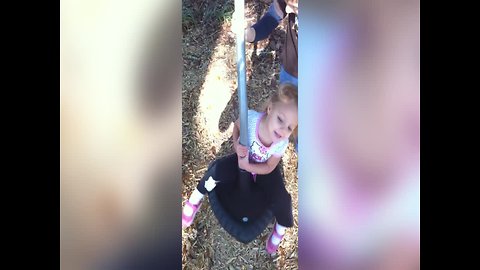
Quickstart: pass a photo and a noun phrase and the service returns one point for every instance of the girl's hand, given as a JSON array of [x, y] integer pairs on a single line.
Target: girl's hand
[[242, 151], [243, 163]]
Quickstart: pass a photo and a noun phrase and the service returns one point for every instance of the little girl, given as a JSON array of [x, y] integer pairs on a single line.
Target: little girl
[[268, 137]]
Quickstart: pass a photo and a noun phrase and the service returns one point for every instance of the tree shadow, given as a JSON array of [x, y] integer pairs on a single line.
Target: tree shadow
[[201, 25]]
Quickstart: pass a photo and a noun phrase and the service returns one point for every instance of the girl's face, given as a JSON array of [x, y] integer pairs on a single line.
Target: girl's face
[[282, 119]]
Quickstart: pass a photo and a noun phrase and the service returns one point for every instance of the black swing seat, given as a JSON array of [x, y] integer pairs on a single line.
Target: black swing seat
[[244, 215]]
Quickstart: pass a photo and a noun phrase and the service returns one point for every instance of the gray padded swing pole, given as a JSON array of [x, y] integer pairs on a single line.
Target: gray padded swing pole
[[242, 76], [244, 176]]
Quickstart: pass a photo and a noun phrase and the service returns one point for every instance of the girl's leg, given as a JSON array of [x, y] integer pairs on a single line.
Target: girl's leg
[[224, 171], [279, 197], [281, 206], [275, 238]]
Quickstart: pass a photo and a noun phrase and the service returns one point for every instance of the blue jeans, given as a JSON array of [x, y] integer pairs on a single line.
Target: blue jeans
[[285, 77], [266, 24], [273, 13]]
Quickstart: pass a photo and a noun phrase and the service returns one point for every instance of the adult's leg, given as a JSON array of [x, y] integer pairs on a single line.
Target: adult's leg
[[289, 55], [269, 21]]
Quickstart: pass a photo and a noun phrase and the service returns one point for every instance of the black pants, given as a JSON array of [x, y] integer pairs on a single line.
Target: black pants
[[227, 171]]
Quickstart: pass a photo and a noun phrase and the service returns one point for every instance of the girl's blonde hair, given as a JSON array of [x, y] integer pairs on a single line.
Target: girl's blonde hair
[[286, 93]]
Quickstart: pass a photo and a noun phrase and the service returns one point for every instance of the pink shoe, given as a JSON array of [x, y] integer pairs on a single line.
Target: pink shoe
[[270, 247], [187, 220]]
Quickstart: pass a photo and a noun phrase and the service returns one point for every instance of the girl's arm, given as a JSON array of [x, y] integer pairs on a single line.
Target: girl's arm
[[242, 151], [259, 168], [236, 134]]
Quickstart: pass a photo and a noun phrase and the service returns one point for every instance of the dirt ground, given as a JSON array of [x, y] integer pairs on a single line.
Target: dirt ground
[[209, 108]]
